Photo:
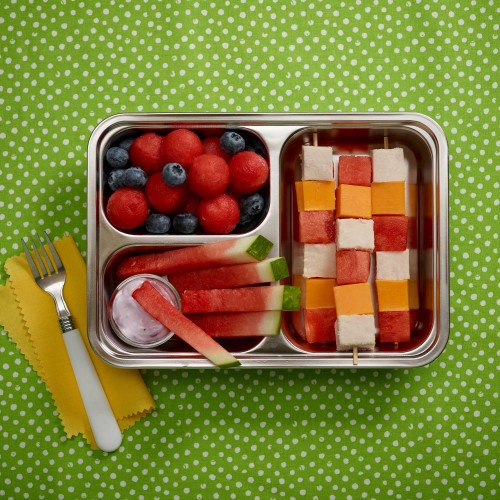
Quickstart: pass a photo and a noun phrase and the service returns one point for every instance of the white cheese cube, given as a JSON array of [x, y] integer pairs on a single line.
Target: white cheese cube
[[355, 234], [320, 260], [355, 331], [317, 163], [389, 165], [393, 265]]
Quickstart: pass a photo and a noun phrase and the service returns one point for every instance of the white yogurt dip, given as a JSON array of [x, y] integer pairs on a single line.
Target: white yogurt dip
[[130, 321]]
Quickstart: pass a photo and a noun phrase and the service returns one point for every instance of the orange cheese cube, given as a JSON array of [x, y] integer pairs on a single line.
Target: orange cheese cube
[[319, 293], [353, 299], [392, 295], [354, 202], [315, 195], [388, 198]]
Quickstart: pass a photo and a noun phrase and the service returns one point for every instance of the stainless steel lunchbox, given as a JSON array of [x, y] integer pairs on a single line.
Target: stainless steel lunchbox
[[283, 136]]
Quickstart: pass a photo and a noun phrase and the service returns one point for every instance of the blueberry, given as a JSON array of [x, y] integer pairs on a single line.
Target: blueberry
[[158, 223], [185, 223], [252, 204], [115, 179], [126, 143], [232, 143], [117, 157], [134, 177], [174, 174]]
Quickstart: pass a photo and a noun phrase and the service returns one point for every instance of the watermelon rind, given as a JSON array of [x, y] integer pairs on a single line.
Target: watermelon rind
[[279, 268], [260, 247], [291, 298]]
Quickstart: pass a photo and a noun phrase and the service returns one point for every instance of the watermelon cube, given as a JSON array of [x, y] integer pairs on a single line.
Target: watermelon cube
[[391, 232], [320, 325], [316, 226], [356, 170], [394, 326], [353, 266]]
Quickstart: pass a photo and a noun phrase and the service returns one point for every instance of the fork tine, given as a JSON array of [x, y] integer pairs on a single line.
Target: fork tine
[[33, 267], [53, 252], [39, 259], [45, 257]]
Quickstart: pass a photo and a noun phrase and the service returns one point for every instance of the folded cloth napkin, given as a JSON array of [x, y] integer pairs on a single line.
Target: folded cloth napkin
[[29, 316]]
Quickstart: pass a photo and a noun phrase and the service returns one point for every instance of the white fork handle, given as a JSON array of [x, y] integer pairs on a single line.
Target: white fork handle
[[106, 432]]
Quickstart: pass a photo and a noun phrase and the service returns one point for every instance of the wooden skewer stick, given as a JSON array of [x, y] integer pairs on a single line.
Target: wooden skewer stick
[[315, 138], [354, 355]]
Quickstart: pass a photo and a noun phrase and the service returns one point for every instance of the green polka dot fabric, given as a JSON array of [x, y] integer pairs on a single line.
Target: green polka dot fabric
[[429, 432]]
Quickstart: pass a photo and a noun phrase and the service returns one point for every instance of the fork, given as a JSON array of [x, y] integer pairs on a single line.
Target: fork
[[50, 275]]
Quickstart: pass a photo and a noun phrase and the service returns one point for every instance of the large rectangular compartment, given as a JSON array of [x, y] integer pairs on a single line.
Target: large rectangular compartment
[[283, 136]]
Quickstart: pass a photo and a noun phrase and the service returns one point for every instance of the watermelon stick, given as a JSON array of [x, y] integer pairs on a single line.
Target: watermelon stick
[[240, 324], [242, 299], [252, 273], [163, 311], [190, 258]]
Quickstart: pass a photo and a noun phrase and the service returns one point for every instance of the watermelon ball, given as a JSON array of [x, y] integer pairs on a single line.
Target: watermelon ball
[[162, 197], [211, 145], [249, 172], [127, 208], [145, 152], [115, 179], [181, 146], [134, 177], [250, 207], [191, 204], [185, 223], [117, 157], [173, 174], [219, 215], [232, 142], [158, 223], [208, 176]]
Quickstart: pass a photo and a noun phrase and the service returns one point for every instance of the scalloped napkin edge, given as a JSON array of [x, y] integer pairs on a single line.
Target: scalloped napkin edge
[[29, 317]]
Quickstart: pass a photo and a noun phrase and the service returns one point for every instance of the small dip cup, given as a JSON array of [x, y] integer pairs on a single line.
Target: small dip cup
[[131, 323]]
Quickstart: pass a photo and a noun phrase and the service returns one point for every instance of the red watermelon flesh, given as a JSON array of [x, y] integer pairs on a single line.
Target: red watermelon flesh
[[391, 233], [239, 275], [316, 226], [245, 249], [162, 310], [353, 266], [241, 299], [394, 326], [320, 325], [241, 324], [355, 170]]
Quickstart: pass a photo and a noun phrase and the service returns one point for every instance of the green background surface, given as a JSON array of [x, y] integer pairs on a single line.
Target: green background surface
[[428, 432]]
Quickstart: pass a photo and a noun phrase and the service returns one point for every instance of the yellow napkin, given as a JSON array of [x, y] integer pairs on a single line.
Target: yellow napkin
[[29, 316]]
